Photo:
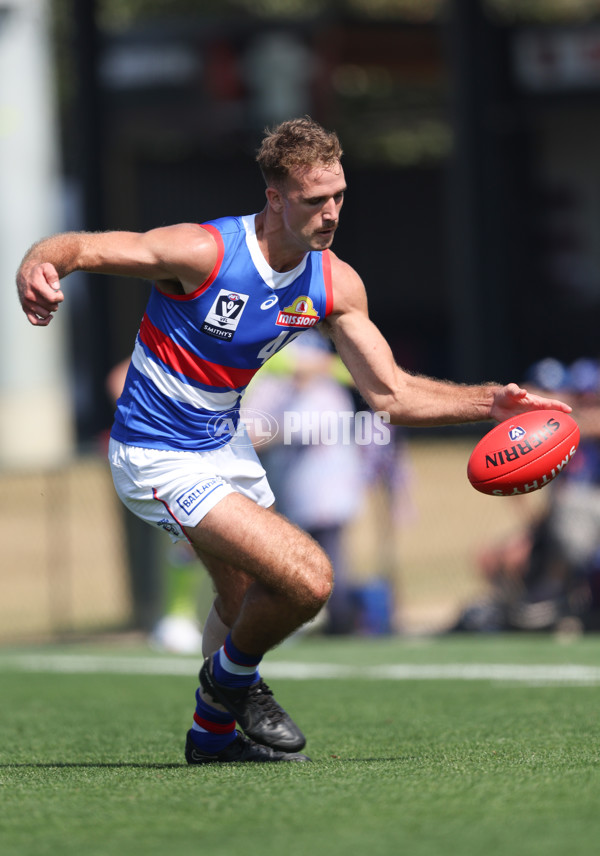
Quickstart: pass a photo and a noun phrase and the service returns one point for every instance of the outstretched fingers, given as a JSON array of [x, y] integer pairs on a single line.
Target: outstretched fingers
[[539, 403], [513, 399]]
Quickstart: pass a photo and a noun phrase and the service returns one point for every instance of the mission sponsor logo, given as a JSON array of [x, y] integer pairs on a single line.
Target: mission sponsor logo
[[301, 313], [224, 315]]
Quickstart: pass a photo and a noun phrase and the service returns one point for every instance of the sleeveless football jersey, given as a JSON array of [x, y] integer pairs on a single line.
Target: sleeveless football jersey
[[195, 354]]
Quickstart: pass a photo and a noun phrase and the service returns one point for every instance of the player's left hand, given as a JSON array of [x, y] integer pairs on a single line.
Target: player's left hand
[[512, 399]]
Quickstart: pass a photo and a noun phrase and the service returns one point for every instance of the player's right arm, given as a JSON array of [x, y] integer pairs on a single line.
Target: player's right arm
[[181, 257], [411, 399]]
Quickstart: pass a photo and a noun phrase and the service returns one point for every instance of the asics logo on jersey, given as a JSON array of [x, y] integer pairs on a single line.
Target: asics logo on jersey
[[270, 301]]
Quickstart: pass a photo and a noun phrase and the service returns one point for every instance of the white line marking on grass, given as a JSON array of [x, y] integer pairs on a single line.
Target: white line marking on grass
[[539, 675]]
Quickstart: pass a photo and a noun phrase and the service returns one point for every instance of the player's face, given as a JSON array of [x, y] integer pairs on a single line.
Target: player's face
[[311, 204]]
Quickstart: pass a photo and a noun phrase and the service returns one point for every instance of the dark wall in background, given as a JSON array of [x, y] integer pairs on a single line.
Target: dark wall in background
[[450, 157]]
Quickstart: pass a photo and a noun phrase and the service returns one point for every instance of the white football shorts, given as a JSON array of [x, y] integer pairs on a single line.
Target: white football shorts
[[176, 489]]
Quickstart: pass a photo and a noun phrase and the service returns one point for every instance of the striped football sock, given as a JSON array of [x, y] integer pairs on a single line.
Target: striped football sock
[[212, 730], [233, 668]]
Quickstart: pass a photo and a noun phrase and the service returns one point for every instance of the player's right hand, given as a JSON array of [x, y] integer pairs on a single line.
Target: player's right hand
[[39, 291]]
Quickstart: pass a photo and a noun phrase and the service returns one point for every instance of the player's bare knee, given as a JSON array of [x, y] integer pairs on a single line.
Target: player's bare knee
[[326, 582], [319, 585]]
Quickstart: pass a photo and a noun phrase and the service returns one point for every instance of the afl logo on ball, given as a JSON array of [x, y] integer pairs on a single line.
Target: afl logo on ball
[[515, 433]]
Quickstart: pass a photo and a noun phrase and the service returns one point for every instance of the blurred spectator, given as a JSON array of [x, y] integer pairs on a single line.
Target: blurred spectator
[[573, 520], [547, 576]]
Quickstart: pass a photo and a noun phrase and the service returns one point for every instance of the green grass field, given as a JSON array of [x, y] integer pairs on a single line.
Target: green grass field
[[448, 746]]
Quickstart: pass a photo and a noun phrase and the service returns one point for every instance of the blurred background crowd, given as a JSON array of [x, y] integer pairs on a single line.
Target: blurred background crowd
[[471, 137]]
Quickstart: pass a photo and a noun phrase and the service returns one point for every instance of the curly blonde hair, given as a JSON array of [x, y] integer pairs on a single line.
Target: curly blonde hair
[[296, 143]]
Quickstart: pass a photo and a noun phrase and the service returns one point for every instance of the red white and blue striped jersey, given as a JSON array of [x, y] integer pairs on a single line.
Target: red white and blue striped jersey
[[195, 354]]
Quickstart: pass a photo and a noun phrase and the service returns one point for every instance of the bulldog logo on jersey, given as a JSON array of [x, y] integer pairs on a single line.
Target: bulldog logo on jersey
[[301, 313], [224, 315]]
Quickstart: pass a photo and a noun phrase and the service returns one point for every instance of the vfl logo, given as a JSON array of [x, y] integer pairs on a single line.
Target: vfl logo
[[301, 313], [224, 315], [516, 432]]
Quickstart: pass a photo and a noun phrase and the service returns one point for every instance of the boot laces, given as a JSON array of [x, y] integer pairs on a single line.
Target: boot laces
[[263, 696]]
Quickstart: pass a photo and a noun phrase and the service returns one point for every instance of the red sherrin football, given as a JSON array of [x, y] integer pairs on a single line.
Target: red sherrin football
[[523, 454]]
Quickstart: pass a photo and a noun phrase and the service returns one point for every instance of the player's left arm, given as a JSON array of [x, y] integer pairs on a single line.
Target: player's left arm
[[413, 400]]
